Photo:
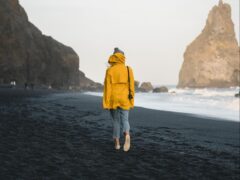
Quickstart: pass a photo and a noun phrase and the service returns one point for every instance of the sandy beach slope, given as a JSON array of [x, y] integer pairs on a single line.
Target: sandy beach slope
[[68, 136]]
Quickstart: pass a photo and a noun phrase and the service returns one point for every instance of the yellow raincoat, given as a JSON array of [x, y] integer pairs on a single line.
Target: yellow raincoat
[[116, 86]]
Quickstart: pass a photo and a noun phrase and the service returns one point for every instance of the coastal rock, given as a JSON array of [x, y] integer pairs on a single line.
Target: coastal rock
[[136, 84], [161, 89], [146, 87], [26, 55], [237, 95], [212, 59], [87, 84]]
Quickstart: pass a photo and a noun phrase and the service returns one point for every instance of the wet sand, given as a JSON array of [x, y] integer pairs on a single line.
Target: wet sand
[[68, 136]]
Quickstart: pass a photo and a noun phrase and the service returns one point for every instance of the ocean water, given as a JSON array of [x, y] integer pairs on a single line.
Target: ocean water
[[217, 103]]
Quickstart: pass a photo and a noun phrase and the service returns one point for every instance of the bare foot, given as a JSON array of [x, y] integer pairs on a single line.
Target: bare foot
[[127, 143]]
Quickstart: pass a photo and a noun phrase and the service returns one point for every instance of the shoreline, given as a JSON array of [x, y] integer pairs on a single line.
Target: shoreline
[[23, 93], [162, 103], [212, 118]]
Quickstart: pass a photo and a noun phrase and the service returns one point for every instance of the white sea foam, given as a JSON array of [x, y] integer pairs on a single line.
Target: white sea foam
[[216, 103]]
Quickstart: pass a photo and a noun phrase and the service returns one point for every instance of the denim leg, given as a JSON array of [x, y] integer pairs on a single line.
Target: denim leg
[[124, 120], [116, 123]]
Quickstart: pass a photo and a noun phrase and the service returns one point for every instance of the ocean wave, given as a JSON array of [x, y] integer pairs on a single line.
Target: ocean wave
[[218, 103]]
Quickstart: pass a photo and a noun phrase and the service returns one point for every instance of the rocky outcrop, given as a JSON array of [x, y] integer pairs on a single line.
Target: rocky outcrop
[[26, 55], [136, 84], [146, 87], [161, 89], [237, 95], [87, 84], [212, 59]]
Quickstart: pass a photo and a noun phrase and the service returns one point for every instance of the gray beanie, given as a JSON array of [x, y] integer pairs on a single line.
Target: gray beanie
[[117, 50]]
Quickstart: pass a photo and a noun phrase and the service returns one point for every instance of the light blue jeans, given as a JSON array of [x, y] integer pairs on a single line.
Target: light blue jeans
[[119, 119]]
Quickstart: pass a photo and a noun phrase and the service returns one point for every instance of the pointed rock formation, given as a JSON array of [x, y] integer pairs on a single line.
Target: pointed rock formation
[[220, 3], [212, 59], [26, 55]]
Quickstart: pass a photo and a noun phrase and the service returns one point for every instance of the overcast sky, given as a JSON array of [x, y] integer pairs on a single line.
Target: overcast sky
[[152, 33]]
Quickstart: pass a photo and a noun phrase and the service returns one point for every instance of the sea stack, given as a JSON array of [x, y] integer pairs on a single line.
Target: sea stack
[[28, 56], [212, 59]]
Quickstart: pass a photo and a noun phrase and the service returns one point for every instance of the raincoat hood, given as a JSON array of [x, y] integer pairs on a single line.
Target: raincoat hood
[[117, 58]]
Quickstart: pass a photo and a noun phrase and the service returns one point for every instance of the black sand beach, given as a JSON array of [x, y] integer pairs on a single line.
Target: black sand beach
[[47, 135]]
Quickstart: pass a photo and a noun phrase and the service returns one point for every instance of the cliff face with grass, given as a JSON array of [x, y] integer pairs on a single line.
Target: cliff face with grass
[[26, 55], [212, 59]]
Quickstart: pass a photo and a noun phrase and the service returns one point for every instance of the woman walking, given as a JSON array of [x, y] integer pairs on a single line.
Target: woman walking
[[118, 96]]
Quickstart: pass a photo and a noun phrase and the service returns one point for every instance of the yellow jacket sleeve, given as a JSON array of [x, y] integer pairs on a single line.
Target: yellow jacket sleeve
[[107, 91], [132, 85]]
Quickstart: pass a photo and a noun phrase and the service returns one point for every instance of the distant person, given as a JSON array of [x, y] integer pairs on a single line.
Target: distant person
[[25, 85], [32, 86], [118, 96], [13, 84]]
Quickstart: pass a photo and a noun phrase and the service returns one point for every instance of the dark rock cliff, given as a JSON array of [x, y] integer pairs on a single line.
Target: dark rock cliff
[[26, 55]]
